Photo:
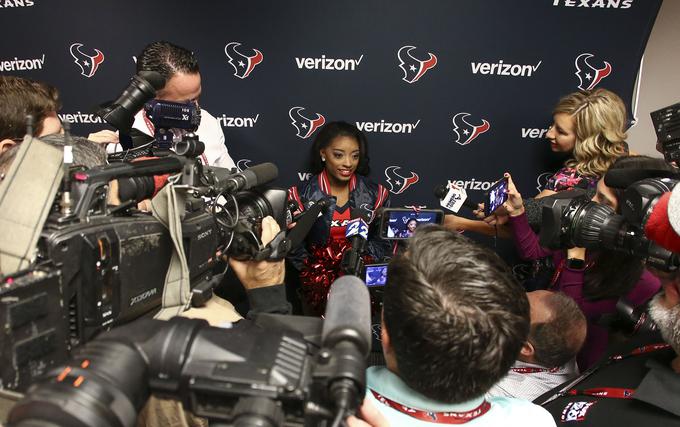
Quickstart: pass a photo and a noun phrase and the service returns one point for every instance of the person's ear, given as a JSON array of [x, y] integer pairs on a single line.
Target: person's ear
[[323, 158], [6, 144], [527, 350]]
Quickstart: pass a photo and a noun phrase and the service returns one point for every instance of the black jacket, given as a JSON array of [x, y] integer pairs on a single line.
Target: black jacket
[[365, 198]]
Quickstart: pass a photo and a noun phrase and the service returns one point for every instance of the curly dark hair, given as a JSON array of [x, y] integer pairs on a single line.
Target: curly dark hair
[[328, 133], [455, 315], [167, 59]]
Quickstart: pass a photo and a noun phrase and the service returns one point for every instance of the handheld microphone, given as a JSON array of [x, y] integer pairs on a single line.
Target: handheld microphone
[[225, 181], [357, 233], [452, 197], [346, 334]]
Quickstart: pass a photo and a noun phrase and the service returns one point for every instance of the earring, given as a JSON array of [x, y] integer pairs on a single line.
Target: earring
[[323, 159]]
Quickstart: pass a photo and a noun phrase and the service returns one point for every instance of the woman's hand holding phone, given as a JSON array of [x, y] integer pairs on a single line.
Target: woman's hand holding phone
[[514, 205]]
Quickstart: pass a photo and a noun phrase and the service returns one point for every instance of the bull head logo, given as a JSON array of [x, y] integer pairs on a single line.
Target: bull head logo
[[88, 63], [243, 64], [397, 183], [589, 76], [466, 132], [413, 67], [305, 127]]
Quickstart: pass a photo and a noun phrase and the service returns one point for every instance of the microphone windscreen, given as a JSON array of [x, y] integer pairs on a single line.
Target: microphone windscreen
[[440, 191], [348, 314], [658, 227], [623, 178], [260, 174]]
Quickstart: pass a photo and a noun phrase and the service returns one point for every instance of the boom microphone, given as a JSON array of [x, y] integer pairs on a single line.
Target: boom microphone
[[347, 333], [225, 181]]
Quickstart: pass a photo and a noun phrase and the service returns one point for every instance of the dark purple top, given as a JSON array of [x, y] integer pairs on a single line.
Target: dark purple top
[[570, 282]]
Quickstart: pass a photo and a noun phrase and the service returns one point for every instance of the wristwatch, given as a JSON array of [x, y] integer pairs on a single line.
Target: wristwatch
[[576, 263]]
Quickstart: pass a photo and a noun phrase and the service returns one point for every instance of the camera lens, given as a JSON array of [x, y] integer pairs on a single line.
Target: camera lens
[[588, 224]]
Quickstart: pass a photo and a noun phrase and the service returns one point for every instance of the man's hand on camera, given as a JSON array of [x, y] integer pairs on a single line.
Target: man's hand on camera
[[104, 137], [260, 274], [369, 416]]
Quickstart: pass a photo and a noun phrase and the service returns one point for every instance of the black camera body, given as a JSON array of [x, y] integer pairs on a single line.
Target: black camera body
[[580, 222]]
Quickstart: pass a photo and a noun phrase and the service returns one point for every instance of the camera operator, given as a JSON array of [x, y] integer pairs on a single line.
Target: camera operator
[[21, 97], [263, 282], [638, 383], [547, 358], [595, 280], [454, 321], [179, 67]]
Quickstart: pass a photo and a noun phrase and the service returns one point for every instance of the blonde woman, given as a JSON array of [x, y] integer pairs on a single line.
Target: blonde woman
[[588, 124]]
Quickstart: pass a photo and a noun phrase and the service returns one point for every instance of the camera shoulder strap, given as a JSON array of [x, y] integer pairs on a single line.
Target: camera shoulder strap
[[167, 207]]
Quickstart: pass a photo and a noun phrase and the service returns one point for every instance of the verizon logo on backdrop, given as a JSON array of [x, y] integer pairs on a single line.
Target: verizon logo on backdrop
[[79, 117], [533, 133], [472, 184], [601, 4], [331, 64], [20, 64], [500, 68], [387, 127], [15, 3], [237, 122]]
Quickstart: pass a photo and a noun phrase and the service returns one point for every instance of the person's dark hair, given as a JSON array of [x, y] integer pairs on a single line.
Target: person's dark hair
[[614, 274], [85, 152], [558, 341], [328, 133], [20, 97], [167, 59], [455, 315]]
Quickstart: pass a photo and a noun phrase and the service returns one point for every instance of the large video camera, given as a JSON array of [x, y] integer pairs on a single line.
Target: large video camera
[[580, 222], [97, 266], [276, 372]]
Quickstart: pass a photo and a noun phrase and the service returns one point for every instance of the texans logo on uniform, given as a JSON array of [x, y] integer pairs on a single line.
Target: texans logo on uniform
[[88, 63], [589, 76], [243, 164], [243, 64], [397, 183], [466, 132], [305, 127], [542, 180], [413, 67]]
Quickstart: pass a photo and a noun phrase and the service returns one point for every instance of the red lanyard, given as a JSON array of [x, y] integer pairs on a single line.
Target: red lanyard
[[558, 272], [610, 392], [436, 417], [617, 392]]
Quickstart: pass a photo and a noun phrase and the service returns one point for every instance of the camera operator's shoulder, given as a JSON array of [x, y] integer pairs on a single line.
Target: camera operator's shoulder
[[518, 412]]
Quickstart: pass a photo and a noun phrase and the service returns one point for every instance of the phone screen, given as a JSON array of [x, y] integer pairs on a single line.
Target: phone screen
[[376, 275], [496, 196], [402, 223]]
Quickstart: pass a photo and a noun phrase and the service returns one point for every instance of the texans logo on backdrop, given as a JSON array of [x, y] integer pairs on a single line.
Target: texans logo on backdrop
[[413, 67], [542, 180], [243, 164], [397, 183], [243, 64], [465, 131], [305, 126], [88, 63], [589, 76]]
